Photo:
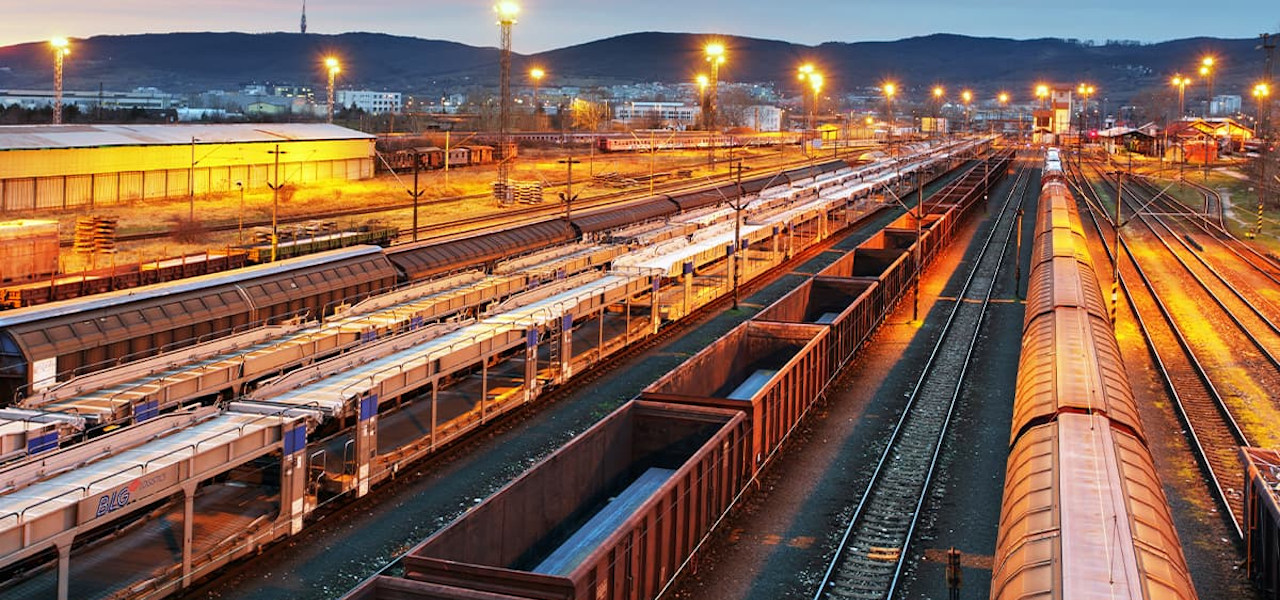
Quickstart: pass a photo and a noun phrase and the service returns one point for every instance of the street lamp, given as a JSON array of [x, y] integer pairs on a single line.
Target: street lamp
[[331, 64], [967, 97], [1262, 93], [1206, 71], [703, 81], [507, 12], [1182, 83], [61, 48], [938, 93], [1003, 98], [536, 74], [803, 74], [1085, 90], [715, 55]]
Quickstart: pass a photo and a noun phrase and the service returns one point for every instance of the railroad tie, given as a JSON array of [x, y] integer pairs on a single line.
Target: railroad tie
[[884, 554]]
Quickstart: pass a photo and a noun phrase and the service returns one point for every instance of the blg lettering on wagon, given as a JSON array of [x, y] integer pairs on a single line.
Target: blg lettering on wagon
[[115, 500]]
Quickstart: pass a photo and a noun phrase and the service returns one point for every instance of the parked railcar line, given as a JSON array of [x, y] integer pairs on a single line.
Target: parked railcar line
[[1212, 431], [869, 559], [516, 216]]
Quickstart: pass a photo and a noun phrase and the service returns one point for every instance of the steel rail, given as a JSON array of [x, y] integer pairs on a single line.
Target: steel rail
[[904, 438], [1195, 416]]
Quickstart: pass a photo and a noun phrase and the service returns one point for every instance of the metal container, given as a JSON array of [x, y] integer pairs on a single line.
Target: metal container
[[577, 525], [843, 305], [774, 371], [1262, 519], [28, 250]]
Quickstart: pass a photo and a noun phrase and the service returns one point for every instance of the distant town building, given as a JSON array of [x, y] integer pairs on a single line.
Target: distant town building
[[762, 117], [669, 115], [370, 101], [147, 98], [1226, 104]]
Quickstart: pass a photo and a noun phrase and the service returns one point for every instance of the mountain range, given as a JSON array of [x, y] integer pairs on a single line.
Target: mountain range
[[191, 62]]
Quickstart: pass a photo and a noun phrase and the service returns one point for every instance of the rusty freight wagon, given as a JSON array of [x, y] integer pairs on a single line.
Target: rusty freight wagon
[[614, 514], [773, 371], [841, 304]]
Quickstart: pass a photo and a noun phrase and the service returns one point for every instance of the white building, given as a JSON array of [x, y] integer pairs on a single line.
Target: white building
[[370, 101], [1226, 104], [763, 117], [145, 98], [674, 115]]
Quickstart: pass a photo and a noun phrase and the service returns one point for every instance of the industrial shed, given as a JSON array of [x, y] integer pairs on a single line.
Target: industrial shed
[[51, 167]]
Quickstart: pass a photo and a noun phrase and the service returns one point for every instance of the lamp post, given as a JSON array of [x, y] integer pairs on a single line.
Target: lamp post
[[715, 55], [803, 74], [1262, 93], [1182, 83], [507, 12], [967, 97], [61, 48], [1085, 90], [1206, 71], [1003, 98], [536, 74], [331, 65], [1042, 92], [890, 89], [703, 81], [938, 93]]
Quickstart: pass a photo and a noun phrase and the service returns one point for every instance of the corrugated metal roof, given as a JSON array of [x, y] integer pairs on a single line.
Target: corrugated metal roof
[[36, 137]]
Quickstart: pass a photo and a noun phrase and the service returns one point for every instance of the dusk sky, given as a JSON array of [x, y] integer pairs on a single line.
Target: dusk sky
[[547, 24]]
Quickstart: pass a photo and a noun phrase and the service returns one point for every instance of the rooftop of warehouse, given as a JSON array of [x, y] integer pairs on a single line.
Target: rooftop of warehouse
[[38, 137]]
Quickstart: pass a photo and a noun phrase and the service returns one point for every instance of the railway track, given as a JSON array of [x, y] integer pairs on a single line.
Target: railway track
[[1212, 431], [870, 557], [468, 225], [237, 580]]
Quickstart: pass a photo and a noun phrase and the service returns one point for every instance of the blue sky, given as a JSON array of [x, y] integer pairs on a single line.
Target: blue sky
[[547, 24]]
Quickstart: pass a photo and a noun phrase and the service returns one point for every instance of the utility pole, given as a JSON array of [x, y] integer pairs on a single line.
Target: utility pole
[[1263, 91], [506, 18], [416, 193], [1115, 256], [737, 205], [191, 184], [275, 204], [567, 196]]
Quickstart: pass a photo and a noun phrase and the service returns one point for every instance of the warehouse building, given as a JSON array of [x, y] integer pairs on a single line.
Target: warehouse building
[[52, 167]]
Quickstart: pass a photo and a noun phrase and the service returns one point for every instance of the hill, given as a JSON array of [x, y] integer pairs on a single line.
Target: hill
[[188, 62]]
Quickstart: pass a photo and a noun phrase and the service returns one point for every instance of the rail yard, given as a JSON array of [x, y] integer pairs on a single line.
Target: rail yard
[[609, 340]]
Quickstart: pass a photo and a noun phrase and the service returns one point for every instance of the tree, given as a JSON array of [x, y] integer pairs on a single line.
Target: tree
[[587, 115]]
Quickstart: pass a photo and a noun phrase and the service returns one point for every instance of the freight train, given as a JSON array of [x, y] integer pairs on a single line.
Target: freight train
[[42, 345], [1084, 514], [620, 510]]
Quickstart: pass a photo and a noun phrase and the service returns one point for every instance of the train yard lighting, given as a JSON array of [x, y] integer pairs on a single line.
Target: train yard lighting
[[967, 97], [890, 90], [1042, 92], [536, 74], [1206, 72], [1085, 90], [1003, 100], [715, 53], [507, 12], [1261, 93], [703, 82], [806, 74], [939, 97], [333, 67], [1182, 83], [61, 48]]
